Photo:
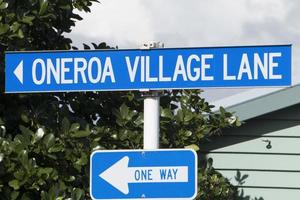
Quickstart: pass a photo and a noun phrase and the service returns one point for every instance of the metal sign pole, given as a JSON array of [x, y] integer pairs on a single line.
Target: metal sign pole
[[151, 120], [151, 110]]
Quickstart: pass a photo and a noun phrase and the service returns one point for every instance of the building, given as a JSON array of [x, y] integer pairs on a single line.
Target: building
[[266, 148]]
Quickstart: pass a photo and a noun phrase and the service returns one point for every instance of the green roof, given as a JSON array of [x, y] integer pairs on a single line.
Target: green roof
[[260, 101]]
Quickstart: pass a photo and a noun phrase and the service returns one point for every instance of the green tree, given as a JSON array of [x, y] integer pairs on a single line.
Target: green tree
[[46, 139]]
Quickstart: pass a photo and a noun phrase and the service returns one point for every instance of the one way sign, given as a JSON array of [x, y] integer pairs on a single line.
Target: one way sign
[[144, 174]]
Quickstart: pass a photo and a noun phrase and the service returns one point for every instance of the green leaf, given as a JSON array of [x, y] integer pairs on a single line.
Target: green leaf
[[179, 116], [139, 120], [222, 110], [238, 122], [62, 186], [43, 6], [77, 194], [116, 113], [65, 7], [124, 110], [52, 193], [3, 5], [80, 134], [245, 176], [24, 117], [15, 27], [70, 179], [188, 133], [74, 127], [14, 184], [58, 147], [28, 20], [167, 113], [23, 157], [39, 134], [3, 28], [192, 146], [26, 131], [23, 140], [49, 15], [65, 126], [75, 16], [1, 157], [87, 128], [49, 140], [14, 195], [85, 46], [188, 117], [82, 160], [238, 176], [45, 171], [20, 34], [19, 174]]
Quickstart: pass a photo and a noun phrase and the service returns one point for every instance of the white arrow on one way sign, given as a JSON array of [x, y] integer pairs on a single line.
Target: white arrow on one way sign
[[119, 175], [19, 71]]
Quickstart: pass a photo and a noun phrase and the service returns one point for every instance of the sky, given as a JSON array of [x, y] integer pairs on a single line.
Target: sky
[[193, 23]]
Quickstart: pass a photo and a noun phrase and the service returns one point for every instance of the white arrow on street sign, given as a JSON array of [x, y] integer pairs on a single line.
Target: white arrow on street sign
[[19, 71], [119, 175]]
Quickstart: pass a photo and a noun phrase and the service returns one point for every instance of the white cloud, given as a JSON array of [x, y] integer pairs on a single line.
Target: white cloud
[[122, 23], [183, 23]]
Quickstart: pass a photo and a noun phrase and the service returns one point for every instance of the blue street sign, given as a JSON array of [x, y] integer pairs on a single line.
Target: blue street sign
[[186, 68], [144, 174]]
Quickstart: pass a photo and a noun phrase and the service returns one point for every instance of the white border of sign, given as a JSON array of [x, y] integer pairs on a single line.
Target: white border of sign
[[154, 89]]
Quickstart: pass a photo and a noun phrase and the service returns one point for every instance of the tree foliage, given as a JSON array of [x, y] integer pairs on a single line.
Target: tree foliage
[[46, 139]]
